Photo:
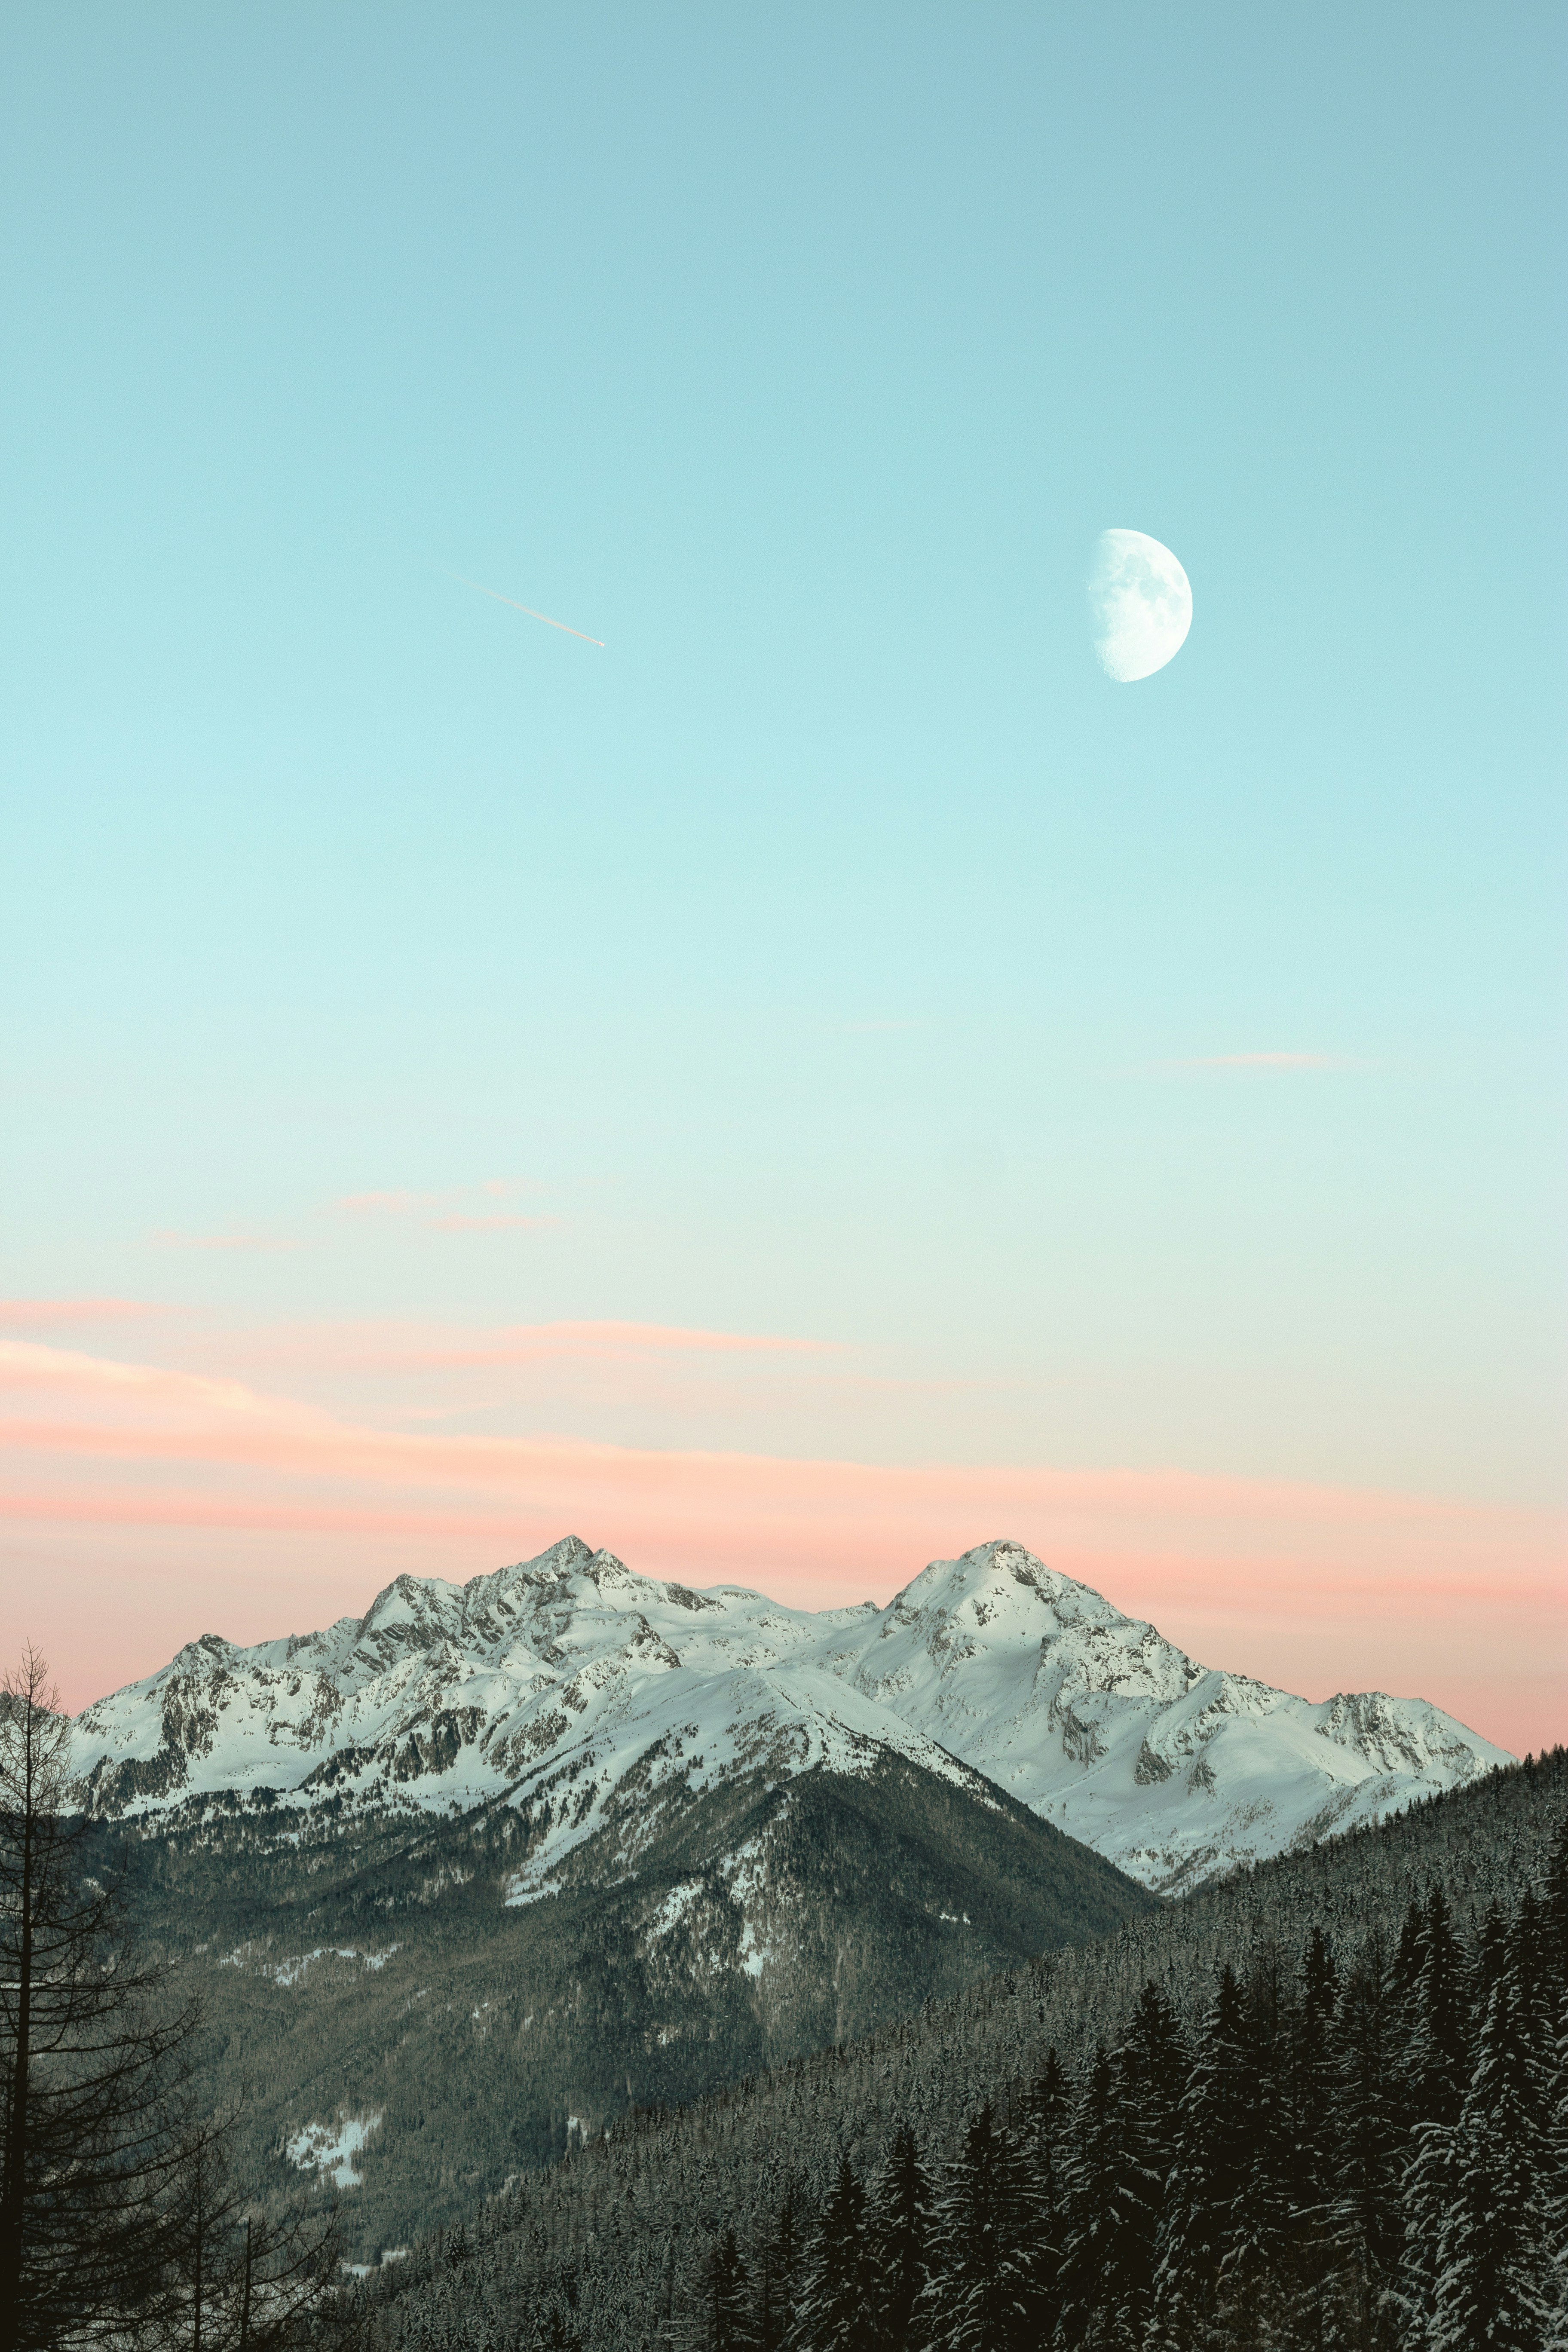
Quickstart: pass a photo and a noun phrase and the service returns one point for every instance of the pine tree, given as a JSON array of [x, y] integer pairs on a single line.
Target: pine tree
[[723, 2316], [1554, 1915], [1210, 2177], [779, 2272], [1488, 1960], [1556, 2184], [1265, 2216], [1044, 2134], [900, 2234], [1439, 2036], [1125, 2145], [1368, 2213], [1312, 2156], [980, 2292], [1103, 2216], [1407, 1958], [838, 2309], [1494, 2286]]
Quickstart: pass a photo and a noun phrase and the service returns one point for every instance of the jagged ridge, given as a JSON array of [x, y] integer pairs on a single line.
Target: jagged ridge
[[589, 1695]]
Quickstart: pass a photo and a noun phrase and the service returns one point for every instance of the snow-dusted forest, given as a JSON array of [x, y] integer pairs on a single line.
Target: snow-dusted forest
[[1322, 2105]]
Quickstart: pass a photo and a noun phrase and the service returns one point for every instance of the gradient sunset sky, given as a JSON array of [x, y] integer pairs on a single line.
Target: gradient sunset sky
[[828, 1078]]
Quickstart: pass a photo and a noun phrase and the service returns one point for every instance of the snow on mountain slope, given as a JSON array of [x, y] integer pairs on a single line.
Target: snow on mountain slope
[[1173, 1771], [572, 1678]]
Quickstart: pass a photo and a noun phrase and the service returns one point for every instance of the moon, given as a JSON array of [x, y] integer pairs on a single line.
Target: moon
[[1140, 604]]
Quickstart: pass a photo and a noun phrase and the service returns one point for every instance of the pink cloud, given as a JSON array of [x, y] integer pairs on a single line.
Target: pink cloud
[[48, 1313], [209, 1490], [639, 1357], [526, 1343]]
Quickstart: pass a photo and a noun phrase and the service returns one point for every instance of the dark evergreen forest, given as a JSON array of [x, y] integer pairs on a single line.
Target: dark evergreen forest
[[1321, 2107], [478, 2030]]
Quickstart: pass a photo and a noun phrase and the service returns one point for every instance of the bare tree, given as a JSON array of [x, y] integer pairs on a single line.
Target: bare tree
[[94, 2056], [233, 2279]]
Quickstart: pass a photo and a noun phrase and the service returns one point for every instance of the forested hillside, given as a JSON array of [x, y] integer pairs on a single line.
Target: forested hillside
[[1320, 2105], [368, 1986]]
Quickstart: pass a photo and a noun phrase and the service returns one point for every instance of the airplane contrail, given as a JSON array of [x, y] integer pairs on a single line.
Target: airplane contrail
[[533, 616]]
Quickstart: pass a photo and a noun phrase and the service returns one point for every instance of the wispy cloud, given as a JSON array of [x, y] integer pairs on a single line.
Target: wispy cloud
[[190, 1482], [223, 1241], [529, 1343], [458, 1222], [444, 1213], [1262, 1061], [386, 1204]]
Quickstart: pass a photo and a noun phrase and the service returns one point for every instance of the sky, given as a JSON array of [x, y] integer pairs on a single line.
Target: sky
[[827, 1078]]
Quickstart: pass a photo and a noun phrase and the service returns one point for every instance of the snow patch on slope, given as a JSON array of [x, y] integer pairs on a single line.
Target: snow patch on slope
[[330, 2149]]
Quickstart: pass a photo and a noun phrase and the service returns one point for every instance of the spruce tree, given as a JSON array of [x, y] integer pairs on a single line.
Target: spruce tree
[[1488, 1960], [1128, 2127], [1368, 2213], [1102, 2213], [779, 2272], [1265, 2220], [1125, 2145], [1210, 2177], [722, 2322], [980, 2291], [1045, 2129], [1154, 2077], [1494, 2287], [1554, 1915], [1314, 2083], [1556, 2184], [838, 2309], [1439, 2035], [901, 2238], [1407, 1958], [1438, 2065]]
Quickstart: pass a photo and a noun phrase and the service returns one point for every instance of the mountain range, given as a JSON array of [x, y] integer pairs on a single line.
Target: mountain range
[[592, 1699], [475, 1878]]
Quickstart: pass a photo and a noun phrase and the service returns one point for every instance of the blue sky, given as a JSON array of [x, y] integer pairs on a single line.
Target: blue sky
[[837, 953]]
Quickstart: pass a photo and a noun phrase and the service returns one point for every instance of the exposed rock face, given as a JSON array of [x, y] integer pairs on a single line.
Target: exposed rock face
[[618, 1692]]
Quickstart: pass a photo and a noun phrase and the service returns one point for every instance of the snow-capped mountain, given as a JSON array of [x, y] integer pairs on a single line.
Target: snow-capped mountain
[[594, 1696]]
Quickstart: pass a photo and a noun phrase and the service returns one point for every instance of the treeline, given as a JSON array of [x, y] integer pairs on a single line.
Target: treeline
[[1321, 2109], [123, 2223]]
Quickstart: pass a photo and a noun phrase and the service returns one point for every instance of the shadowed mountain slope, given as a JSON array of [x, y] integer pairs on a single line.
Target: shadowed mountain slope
[[373, 1977]]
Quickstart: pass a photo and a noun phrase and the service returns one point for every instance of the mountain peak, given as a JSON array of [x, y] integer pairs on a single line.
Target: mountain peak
[[573, 1664], [200, 1656], [569, 1556], [1000, 1579], [408, 1602]]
